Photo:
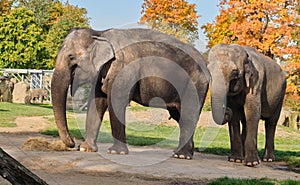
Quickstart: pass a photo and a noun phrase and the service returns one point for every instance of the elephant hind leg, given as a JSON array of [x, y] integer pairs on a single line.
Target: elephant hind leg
[[117, 122], [270, 128], [174, 113]]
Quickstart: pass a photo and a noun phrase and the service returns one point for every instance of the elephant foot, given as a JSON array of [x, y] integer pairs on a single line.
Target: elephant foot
[[269, 158], [236, 159], [118, 148], [182, 156], [85, 147], [252, 160], [186, 152]]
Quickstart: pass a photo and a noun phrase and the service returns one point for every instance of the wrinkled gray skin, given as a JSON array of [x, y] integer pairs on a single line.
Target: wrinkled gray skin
[[246, 86], [97, 57]]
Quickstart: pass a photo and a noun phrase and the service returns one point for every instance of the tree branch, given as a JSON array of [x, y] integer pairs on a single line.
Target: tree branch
[[264, 28]]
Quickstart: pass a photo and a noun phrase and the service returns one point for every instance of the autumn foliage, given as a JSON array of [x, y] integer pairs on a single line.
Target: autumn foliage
[[175, 17], [272, 27]]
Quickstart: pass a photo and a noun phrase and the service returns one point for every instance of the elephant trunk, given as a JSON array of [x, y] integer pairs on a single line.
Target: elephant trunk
[[59, 88], [218, 99]]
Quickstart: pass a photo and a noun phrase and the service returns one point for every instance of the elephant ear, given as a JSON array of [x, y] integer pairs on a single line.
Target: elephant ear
[[101, 51]]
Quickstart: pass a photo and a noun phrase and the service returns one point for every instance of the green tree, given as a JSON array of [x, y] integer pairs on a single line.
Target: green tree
[[21, 44], [41, 9], [31, 31], [63, 17], [175, 17]]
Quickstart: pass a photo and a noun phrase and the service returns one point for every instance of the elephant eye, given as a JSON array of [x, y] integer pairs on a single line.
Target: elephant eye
[[71, 57]]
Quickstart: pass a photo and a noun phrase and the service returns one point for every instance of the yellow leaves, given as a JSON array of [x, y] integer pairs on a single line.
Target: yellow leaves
[[176, 17]]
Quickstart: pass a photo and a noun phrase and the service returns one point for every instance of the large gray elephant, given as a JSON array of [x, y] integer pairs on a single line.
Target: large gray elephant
[[246, 86], [124, 65]]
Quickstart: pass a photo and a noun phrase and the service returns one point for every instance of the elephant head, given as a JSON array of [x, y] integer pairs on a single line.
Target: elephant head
[[232, 72], [78, 52]]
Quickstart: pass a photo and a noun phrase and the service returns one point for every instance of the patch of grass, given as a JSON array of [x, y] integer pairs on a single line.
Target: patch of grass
[[9, 112], [262, 181], [137, 107], [214, 140], [72, 125]]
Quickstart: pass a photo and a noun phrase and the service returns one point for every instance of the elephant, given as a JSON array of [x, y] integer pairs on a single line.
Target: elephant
[[39, 94], [246, 86], [142, 65]]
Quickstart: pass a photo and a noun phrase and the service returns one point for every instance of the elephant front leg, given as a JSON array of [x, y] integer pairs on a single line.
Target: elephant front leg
[[185, 149], [236, 143], [117, 122], [96, 110], [252, 115]]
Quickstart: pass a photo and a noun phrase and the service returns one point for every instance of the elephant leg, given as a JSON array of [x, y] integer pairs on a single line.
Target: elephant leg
[[117, 122], [270, 128], [252, 115], [96, 110], [236, 142], [244, 133], [185, 149]]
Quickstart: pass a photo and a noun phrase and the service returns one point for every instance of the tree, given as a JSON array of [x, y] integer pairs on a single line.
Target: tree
[[266, 25], [41, 10], [21, 44], [32, 31], [5, 6], [63, 17], [272, 27], [175, 17]]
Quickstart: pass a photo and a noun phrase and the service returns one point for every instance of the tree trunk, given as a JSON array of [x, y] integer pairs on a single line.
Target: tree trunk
[[16, 173]]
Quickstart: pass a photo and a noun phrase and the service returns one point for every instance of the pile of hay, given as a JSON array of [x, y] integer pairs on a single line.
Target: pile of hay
[[42, 144]]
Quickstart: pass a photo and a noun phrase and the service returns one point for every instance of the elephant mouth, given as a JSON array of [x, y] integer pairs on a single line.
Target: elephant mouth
[[235, 87]]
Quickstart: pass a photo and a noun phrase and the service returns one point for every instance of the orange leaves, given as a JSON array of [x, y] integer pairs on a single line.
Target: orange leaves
[[264, 24], [5, 6], [176, 17]]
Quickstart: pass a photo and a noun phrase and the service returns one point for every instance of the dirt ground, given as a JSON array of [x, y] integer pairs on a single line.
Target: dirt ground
[[143, 165]]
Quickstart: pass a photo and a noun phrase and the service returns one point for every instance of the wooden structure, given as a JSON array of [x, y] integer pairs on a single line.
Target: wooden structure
[[16, 173]]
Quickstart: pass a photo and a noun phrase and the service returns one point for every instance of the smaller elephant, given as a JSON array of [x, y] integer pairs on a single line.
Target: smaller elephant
[[38, 95], [246, 86]]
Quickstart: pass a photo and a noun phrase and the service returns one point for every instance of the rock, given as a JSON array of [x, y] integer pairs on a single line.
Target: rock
[[21, 93], [6, 88]]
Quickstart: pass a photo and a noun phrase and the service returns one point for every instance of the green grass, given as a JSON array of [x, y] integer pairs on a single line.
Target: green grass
[[214, 140], [138, 108], [262, 181], [9, 112]]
